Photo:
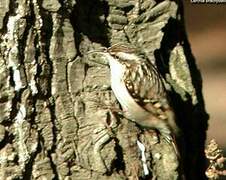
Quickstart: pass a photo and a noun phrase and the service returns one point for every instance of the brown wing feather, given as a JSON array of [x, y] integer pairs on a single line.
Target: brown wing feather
[[145, 81]]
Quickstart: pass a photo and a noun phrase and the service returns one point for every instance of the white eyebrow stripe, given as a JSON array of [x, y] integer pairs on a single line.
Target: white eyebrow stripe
[[126, 56]]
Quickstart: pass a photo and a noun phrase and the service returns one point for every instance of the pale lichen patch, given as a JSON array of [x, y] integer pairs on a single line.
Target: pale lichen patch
[[19, 120], [180, 72], [143, 157]]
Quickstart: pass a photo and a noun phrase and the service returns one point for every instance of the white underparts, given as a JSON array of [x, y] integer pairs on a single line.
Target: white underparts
[[132, 110]]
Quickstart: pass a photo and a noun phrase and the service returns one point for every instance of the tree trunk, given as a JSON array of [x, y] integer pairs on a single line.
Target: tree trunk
[[59, 118]]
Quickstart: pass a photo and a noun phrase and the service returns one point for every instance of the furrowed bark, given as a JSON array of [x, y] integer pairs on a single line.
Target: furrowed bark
[[58, 116]]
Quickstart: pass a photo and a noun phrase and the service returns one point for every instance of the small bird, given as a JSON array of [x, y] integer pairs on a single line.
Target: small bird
[[140, 90]]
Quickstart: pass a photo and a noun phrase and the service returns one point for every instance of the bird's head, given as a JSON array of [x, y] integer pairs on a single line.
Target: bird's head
[[120, 52], [123, 52]]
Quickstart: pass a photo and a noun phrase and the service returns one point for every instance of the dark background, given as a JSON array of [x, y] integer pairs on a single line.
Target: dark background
[[206, 29]]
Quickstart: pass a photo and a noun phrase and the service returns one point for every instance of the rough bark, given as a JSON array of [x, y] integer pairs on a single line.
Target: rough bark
[[58, 115]]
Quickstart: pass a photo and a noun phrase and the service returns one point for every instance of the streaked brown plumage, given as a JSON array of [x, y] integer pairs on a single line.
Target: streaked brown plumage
[[139, 88]]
